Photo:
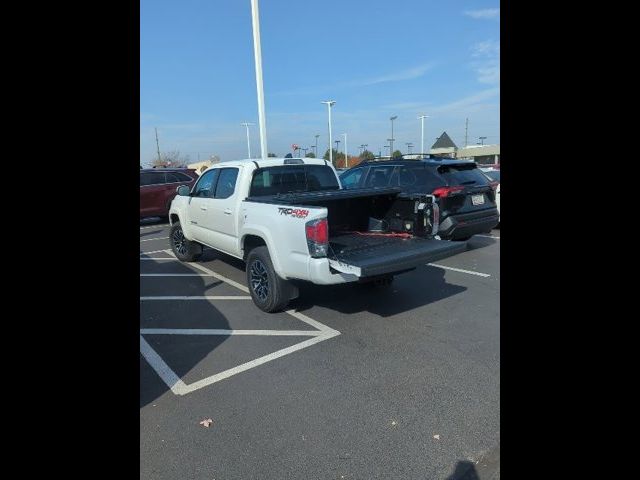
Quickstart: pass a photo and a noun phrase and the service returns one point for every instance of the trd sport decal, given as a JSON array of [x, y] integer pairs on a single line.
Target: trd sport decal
[[294, 212]]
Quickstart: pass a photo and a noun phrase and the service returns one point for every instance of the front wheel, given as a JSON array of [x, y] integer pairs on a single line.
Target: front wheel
[[184, 250], [268, 291]]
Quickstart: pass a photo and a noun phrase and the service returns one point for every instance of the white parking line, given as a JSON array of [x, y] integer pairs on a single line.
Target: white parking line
[[156, 238], [176, 275], [322, 332], [217, 331], [155, 226], [205, 297], [461, 270], [153, 251], [160, 258], [488, 236]]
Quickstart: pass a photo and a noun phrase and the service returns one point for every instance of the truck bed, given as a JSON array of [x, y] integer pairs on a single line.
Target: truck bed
[[368, 256], [312, 198]]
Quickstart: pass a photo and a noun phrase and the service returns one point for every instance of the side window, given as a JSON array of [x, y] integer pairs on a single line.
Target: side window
[[182, 177], [172, 178], [226, 182], [151, 178], [206, 184], [379, 176], [351, 179]]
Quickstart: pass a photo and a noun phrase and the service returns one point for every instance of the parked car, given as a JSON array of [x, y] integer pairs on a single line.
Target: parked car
[[158, 188], [290, 221], [494, 174], [467, 198]]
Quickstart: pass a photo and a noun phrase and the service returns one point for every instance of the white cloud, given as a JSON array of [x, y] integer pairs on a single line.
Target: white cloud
[[408, 74], [485, 14], [487, 65]]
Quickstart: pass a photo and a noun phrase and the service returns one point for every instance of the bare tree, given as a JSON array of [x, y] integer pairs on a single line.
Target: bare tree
[[172, 159]]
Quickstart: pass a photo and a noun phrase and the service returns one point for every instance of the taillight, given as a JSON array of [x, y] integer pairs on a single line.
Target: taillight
[[442, 192], [317, 237]]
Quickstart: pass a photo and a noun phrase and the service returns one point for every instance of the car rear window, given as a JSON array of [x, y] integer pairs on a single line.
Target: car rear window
[[493, 174], [292, 178], [462, 174], [417, 179]]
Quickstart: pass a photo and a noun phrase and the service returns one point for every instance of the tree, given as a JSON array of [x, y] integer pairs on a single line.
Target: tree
[[171, 159], [271, 155], [397, 154], [336, 156], [367, 155], [310, 155]]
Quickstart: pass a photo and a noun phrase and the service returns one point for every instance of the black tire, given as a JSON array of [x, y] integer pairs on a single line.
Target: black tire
[[269, 292], [184, 250]]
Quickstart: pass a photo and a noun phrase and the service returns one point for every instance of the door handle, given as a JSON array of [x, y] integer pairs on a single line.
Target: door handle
[[227, 211], [203, 208]]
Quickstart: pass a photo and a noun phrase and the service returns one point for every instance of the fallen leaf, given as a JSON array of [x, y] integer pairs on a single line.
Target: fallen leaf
[[206, 422], [394, 423], [437, 437]]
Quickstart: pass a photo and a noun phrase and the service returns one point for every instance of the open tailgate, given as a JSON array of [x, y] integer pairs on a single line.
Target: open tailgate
[[369, 256]]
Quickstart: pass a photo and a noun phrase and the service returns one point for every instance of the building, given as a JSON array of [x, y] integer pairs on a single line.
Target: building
[[481, 154], [444, 146]]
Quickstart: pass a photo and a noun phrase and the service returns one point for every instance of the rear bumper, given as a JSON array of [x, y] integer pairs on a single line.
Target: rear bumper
[[466, 225]]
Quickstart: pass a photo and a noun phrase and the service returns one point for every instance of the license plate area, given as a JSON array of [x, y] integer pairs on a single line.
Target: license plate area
[[477, 199]]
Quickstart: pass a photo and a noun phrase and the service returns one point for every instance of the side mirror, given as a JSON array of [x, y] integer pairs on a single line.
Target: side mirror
[[183, 191]]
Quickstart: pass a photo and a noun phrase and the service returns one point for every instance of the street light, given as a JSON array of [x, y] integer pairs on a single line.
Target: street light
[[257, 54], [392, 139], [421, 118], [409, 145], [482, 139], [346, 152], [246, 124], [329, 104], [305, 151], [337, 142], [316, 152]]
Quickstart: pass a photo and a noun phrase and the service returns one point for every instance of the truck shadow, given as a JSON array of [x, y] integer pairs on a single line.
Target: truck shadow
[[182, 353], [464, 470], [410, 290]]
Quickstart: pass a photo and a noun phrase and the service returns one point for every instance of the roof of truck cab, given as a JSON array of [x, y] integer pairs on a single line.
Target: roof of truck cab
[[270, 162]]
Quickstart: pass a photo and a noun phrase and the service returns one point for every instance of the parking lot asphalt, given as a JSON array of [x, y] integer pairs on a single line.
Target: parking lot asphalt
[[353, 382]]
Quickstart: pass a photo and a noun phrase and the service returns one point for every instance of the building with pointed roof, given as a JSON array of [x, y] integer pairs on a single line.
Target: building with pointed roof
[[444, 146]]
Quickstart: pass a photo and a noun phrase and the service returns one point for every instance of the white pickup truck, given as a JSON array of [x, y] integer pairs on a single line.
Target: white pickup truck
[[290, 221]]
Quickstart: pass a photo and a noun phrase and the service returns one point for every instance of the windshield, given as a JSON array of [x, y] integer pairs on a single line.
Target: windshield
[[462, 174], [292, 178]]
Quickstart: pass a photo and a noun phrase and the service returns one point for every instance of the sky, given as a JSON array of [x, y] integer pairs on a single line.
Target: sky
[[375, 58]]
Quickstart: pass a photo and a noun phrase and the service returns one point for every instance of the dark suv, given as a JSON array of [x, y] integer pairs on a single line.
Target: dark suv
[[158, 187], [467, 198]]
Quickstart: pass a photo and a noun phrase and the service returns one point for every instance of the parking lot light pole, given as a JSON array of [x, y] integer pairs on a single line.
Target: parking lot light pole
[[316, 152], [329, 104], [392, 139], [409, 145], [257, 53], [246, 124], [482, 139], [421, 118], [346, 153]]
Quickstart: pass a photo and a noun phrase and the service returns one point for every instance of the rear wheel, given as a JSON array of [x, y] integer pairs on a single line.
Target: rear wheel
[[184, 250], [269, 292]]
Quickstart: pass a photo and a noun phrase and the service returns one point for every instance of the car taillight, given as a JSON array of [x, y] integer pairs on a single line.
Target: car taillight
[[442, 192], [494, 185], [317, 237]]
